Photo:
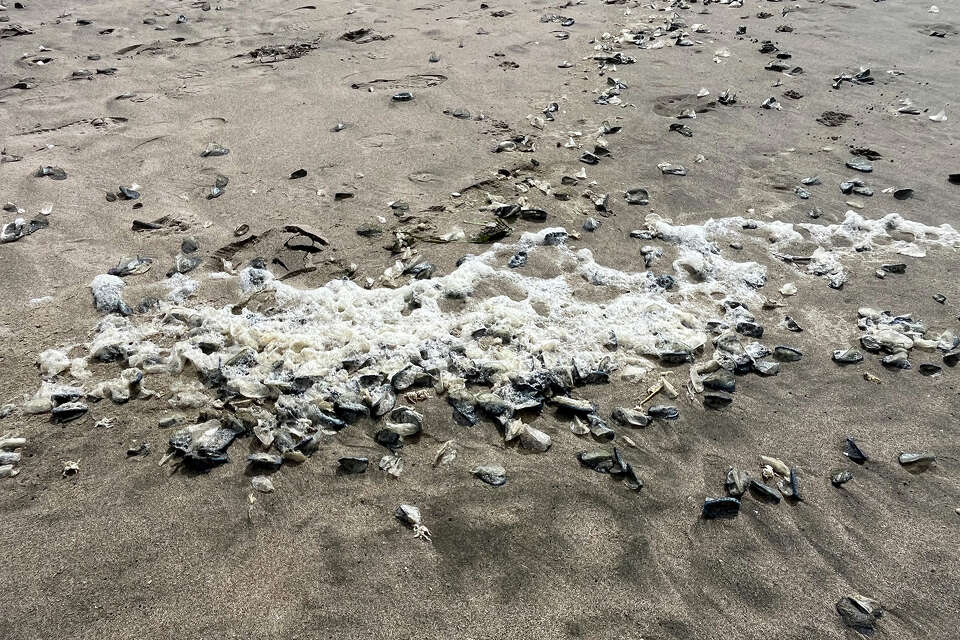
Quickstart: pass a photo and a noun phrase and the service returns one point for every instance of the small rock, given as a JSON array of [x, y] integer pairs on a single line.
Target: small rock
[[492, 474], [353, 465], [263, 484], [720, 508]]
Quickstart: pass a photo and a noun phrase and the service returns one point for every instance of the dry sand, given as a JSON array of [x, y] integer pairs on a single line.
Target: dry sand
[[127, 549]]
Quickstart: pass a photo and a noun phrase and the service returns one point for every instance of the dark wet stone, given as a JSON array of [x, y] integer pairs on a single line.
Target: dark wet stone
[[750, 329], [903, 194], [939, 297], [402, 96], [464, 408], [637, 196], [870, 343], [848, 356], [389, 439], [895, 268], [590, 224], [350, 410], [929, 369], [630, 418], [265, 460], [682, 129], [600, 460], [666, 281], [518, 259], [721, 380], [840, 477], [67, 412], [953, 178], [631, 478], [353, 465], [764, 491], [860, 614], [125, 193], [951, 358], [213, 150], [54, 173], [589, 158], [716, 399], [664, 412], [736, 481], [790, 488], [299, 173], [853, 451], [204, 461], [786, 354], [676, 357], [720, 508], [141, 449], [410, 376], [555, 238], [492, 474], [896, 361], [792, 325], [533, 215], [420, 270], [599, 428]]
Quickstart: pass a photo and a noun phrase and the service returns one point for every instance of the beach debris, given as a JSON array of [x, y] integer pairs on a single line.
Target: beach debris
[[263, 484], [213, 150], [493, 474], [350, 464], [721, 508], [20, 228], [859, 613], [54, 173], [410, 516], [736, 482], [916, 461], [70, 468], [840, 477]]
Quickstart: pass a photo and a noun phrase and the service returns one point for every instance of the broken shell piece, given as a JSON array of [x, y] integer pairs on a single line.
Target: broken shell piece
[[664, 412], [445, 454], [535, 440], [720, 508], [54, 173], [71, 468], [672, 169], [860, 614], [391, 464], [764, 492], [67, 412], [853, 451], [263, 484], [353, 465], [637, 196], [630, 418], [776, 464], [917, 460], [492, 474], [840, 477], [736, 482], [847, 356], [214, 150], [573, 405]]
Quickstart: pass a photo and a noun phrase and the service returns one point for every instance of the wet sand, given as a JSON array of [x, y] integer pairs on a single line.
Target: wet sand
[[129, 548]]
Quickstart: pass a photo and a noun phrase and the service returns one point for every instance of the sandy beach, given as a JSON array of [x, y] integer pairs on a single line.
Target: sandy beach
[[288, 194]]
